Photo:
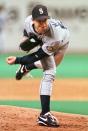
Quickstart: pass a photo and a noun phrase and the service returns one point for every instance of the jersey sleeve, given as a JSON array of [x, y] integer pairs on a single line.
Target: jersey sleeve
[[59, 40]]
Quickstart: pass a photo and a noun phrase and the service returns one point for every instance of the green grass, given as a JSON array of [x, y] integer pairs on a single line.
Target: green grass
[[72, 66], [75, 107]]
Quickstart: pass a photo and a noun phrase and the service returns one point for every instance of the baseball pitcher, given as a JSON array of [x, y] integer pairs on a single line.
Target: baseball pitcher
[[52, 37]]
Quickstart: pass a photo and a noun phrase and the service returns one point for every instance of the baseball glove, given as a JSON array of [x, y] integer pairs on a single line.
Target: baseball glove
[[30, 43]]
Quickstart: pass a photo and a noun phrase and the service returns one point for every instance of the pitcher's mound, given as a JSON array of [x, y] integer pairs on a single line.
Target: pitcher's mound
[[24, 119]]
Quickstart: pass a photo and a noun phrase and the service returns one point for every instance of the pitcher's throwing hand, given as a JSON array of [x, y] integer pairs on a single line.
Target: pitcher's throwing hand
[[11, 60]]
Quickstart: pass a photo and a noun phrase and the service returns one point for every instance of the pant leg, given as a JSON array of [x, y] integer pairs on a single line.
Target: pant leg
[[49, 70]]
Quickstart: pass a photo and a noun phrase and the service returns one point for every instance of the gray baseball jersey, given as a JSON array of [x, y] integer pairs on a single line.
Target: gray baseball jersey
[[54, 40]]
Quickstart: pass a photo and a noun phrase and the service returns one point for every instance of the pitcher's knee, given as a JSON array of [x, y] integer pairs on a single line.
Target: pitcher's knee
[[51, 73], [46, 84]]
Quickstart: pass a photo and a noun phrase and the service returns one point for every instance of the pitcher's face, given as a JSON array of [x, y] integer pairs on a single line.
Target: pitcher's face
[[40, 26]]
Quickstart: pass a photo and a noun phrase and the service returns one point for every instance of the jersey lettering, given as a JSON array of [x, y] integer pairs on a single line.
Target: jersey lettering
[[58, 23]]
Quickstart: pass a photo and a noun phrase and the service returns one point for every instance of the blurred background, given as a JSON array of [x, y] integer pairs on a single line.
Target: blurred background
[[74, 67], [74, 14]]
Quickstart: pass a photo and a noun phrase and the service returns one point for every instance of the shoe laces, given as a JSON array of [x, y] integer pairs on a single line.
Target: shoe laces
[[51, 116]]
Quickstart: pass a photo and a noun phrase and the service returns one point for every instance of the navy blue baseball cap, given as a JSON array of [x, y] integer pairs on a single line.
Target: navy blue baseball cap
[[40, 12]]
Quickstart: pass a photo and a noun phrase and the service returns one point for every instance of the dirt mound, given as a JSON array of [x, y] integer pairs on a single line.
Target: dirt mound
[[24, 119]]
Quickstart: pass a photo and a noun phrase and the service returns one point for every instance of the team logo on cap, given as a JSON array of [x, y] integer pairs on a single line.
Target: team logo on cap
[[40, 10]]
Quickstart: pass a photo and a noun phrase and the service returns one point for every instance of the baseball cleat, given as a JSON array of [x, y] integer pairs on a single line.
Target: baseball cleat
[[48, 120], [22, 71]]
